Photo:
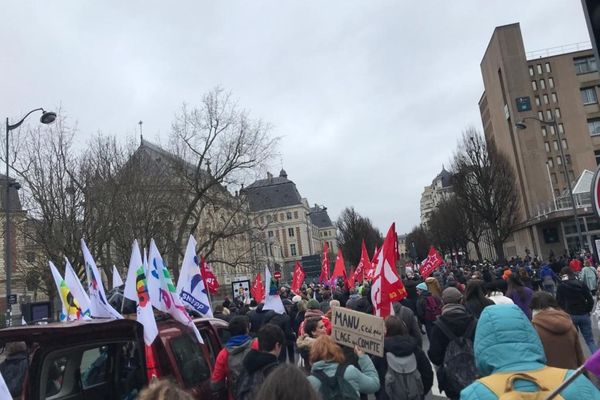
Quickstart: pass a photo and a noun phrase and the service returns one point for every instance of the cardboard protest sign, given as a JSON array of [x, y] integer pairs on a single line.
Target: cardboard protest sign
[[356, 328]]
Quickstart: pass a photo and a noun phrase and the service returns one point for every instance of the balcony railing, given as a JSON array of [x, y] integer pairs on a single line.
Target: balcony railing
[[563, 203]]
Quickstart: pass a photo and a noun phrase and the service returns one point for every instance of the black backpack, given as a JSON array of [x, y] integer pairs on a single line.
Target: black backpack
[[250, 382], [336, 387], [458, 369]]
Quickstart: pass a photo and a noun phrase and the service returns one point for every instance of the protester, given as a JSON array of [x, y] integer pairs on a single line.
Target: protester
[[519, 294], [314, 328], [557, 332], [429, 307], [14, 367], [332, 303], [163, 389], [475, 300], [433, 286], [505, 343], [549, 279], [575, 298], [328, 361], [589, 277], [287, 382], [454, 323], [409, 319], [404, 369], [314, 311], [258, 364], [496, 295], [221, 312], [299, 310]]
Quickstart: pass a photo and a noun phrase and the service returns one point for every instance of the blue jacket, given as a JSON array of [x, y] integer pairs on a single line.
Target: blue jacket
[[506, 341]]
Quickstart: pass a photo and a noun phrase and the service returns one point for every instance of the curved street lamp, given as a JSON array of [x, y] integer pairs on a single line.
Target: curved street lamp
[[47, 117], [522, 125]]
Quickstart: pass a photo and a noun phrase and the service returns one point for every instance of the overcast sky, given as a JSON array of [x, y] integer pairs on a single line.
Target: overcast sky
[[369, 97]]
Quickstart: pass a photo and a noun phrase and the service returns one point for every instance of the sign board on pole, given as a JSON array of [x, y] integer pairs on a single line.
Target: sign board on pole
[[277, 275], [240, 289], [12, 299], [356, 328], [523, 103]]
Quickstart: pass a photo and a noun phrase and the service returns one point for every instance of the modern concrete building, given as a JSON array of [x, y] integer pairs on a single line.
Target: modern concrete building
[[561, 85]]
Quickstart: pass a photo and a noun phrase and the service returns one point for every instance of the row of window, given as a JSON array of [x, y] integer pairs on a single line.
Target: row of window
[[542, 84], [549, 115], [561, 130], [584, 65], [555, 145], [562, 176], [559, 160], [538, 100], [291, 233], [280, 217], [589, 96], [594, 126], [539, 70]]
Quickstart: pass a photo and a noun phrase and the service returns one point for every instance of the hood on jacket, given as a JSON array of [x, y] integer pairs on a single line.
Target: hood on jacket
[[505, 340], [257, 360], [328, 367], [400, 345], [554, 321]]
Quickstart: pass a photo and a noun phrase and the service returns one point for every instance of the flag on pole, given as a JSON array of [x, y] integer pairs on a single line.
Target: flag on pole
[[324, 277], [258, 290], [4, 392], [387, 286], [168, 300], [351, 278], [370, 273], [210, 280], [70, 307], [190, 286], [98, 302], [80, 294], [116, 278], [136, 289], [298, 278], [272, 299], [431, 263], [339, 269], [364, 265]]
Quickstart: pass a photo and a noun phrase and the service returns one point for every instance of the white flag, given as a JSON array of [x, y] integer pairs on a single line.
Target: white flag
[[117, 281], [190, 286], [136, 284], [168, 300], [70, 307], [4, 392], [74, 284], [272, 299], [98, 301]]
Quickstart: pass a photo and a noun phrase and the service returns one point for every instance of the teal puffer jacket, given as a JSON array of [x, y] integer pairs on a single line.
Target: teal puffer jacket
[[505, 340]]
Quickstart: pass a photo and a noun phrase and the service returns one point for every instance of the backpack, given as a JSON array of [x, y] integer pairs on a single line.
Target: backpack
[[458, 368], [403, 379], [235, 360], [336, 387], [546, 379], [432, 308], [250, 382]]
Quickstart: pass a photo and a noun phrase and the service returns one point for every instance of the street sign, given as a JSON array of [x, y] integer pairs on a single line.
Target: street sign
[[523, 104], [277, 275], [12, 299]]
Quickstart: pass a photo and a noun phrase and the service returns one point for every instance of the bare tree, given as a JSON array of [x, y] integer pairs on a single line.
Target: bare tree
[[352, 229], [484, 179], [418, 239]]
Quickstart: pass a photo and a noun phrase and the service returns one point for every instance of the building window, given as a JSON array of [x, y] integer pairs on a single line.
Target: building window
[[552, 130], [537, 101], [585, 65], [561, 128], [539, 68], [568, 159], [551, 83], [293, 249], [269, 218], [555, 143], [588, 96], [558, 160], [542, 84], [288, 215], [544, 131], [546, 99], [540, 115], [295, 214], [531, 70], [594, 126], [291, 232], [270, 234], [597, 155], [564, 144], [554, 178], [554, 97], [557, 192], [534, 85], [551, 163], [549, 115], [547, 147], [557, 113], [548, 69]]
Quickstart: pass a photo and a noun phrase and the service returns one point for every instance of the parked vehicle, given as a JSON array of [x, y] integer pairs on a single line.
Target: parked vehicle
[[101, 360]]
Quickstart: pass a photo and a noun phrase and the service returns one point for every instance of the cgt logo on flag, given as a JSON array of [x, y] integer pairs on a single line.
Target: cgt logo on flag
[[431, 263]]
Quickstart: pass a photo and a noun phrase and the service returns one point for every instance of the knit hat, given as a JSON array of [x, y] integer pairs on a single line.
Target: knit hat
[[313, 304], [422, 286], [451, 295], [296, 299]]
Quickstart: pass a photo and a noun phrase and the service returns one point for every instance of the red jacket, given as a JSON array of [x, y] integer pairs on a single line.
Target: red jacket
[[221, 368]]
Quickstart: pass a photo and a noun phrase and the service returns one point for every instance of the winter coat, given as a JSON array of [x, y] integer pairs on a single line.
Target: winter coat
[[410, 321], [559, 338], [457, 319], [475, 306], [13, 370], [574, 297], [363, 380], [402, 346], [589, 277], [303, 345], [505, 341], [256, 362], [524, 301], [422, 305], [499, 298], [258, 317]]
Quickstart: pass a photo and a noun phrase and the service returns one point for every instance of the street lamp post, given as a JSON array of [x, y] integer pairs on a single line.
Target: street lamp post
[[47, 118], [521, 125]]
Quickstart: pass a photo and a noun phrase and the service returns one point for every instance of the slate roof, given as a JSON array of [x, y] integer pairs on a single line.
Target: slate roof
[[319, 217], [445, 177], [272, 192]]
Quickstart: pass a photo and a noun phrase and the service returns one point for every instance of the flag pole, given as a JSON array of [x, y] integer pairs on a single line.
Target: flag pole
[[565, 383]]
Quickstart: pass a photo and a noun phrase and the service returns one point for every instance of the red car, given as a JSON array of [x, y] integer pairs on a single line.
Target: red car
[[102, 360]]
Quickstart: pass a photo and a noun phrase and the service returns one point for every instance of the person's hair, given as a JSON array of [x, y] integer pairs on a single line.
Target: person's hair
[[286, 382], [475, 290], [523, 273], [515, 285], [334, 303], [268, 336], [163, 389], [542, 300], [310, 325], [567, 271], [395, 326], [239, 325], [434, 286], [325, 349]]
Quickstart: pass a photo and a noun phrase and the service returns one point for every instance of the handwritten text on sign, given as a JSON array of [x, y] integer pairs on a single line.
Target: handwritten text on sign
[[355, 328]]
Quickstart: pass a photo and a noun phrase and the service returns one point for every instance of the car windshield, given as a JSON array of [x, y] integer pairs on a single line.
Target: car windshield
[[190, 360]]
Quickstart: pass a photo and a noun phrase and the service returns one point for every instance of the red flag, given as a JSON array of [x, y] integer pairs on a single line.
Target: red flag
[[298, 278], [431, 263], [324, 277], [339, 270], [370, 273], [258, 289], [210, 280], [351, 278], [364, 265], [387, 286]]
